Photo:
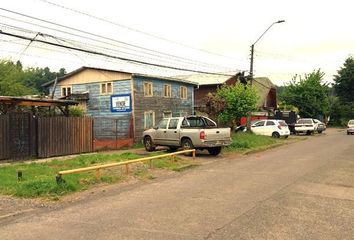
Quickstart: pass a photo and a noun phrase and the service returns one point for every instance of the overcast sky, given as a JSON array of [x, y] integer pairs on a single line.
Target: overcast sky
[[315, 34]]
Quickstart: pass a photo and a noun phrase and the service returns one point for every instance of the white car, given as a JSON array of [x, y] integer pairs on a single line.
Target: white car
[[309, 126], [274, 128], [350, 127]]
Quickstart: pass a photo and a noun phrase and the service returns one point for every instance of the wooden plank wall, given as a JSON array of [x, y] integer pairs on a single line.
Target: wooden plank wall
[[22, 136], [4, 137], [158, 103], [64, 135]]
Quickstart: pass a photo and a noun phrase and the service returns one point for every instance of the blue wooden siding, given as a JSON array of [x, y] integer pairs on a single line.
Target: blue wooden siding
[[99, 105], [158, 103], [158, 92], [107, 124]]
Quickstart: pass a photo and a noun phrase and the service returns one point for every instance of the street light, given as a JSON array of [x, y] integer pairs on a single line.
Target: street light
[[252, 47]]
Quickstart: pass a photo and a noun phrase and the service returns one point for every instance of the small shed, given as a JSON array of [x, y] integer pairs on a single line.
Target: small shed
[[9, 104]]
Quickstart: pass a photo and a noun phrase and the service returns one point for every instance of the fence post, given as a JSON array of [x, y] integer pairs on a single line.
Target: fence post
[[98, 174]]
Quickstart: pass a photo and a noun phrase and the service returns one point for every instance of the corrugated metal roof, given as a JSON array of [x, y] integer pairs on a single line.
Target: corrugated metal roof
[[206, 79], [24, 101], [167, 78], [110, 70]]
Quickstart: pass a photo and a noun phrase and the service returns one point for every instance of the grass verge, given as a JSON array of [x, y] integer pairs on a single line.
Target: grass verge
[[38, 179], [248, 142]]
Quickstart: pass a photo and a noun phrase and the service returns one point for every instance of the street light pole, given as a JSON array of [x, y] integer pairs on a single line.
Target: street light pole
[[252, 48]]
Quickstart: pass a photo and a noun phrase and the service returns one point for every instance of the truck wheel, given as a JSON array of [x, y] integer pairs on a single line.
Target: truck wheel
[[187, 145], [148, 144], [320, 131], [214, 151]]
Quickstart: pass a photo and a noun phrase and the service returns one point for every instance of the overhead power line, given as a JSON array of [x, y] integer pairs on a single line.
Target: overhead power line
[[133, 29], [134, 47], [108, 55], [98, 48]]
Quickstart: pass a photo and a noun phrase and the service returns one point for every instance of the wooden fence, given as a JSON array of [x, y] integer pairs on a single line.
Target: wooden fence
[[24, 136], [64, 135], [4, 137], [98, 168], [17, 136]]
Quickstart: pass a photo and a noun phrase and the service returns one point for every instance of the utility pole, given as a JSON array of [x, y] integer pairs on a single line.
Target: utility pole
[[249, 117], [252, 49], [251, 65]]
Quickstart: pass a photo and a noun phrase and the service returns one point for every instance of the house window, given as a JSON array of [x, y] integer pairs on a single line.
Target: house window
[[167, 114], [106, 88], [149, 119], [65, 91], [167, 90], [148, 92], [183, 114], [183, 92]]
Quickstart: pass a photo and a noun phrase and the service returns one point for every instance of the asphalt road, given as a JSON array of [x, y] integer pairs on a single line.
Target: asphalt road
[[304, 190]]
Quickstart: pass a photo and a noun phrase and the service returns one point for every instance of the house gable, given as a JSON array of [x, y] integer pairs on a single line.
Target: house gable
[[89, 75]]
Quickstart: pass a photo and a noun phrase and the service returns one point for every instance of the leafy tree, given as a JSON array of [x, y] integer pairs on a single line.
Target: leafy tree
[[11, 80], [342, 107], [230, 103], [341, 113], [308, 94], [35, 77], [17, 81], [344, 82]]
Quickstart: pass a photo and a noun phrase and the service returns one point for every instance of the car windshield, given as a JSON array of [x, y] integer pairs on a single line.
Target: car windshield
[[305, 121], [351, 122]]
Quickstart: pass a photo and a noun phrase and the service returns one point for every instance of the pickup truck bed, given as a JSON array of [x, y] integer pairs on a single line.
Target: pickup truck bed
[[187, 132]]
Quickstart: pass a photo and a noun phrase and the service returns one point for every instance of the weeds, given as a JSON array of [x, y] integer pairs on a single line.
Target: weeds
[[246, 141], [38, 179]]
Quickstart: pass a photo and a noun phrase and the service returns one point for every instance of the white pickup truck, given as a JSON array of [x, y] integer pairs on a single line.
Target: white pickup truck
[[309, 126], [187, 132]]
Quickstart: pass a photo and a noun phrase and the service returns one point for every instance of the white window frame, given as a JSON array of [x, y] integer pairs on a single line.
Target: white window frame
[[146, 92], [66, 90], [167, 114], [153, 118], [106, 88], [183, 94], [167, 88]]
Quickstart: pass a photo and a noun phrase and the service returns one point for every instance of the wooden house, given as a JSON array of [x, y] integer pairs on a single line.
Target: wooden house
[[124, 103], [267, 95]]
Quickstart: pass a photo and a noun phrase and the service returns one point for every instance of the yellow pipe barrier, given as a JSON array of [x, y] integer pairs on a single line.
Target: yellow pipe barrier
[[126, 163]]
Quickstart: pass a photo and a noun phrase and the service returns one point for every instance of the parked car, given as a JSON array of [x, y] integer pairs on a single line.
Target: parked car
[[274, 128], [290, 117], [309, 126], [187, 132], [350, 127]]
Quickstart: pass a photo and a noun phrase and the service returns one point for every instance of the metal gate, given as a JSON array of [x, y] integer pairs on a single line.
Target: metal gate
[[112, 132]]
